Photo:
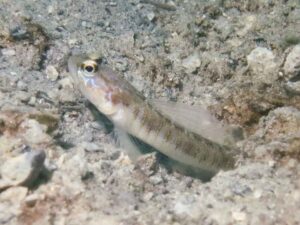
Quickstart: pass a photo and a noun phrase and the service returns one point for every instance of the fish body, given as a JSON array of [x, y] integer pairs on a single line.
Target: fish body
[[130, 111]]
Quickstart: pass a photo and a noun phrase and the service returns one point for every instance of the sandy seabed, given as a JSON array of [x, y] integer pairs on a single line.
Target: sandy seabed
[[59, 164]]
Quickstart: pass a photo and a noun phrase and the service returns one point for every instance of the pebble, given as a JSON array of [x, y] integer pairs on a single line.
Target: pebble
[[151, 16], [148, 196], [239, 216], [293, 87], [52, 73], [257, 193], [292, 63], [31, 200], [192, 63], [50, 9], [66, 83], [23, 169], [34, 132], [8, 52], [7, 144], [10, 204], [247, 23], [261, 62], [66, 95], [22, 96], [72, 42], [296, 195], [32, 100], [14, 194], [271, 163], [148, 163], [91, 147]]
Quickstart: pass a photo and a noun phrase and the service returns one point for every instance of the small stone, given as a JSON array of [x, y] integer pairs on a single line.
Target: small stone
[[272, 163], [22, 85], [148, 163], [239, 216], [257, 194], [191, 63], [292, 63], [83, 23], [121, 65], [31, 200], [246, 24], [151, 16], [23, 169], [148, 196], [51, 73], [140, 58], [34, 132], [292, 163], [66, 95], [11, 203], [156, 180], [86, 24], [32, 100], [91, 147], [8, 52], [50, 9], [296, 195], [293, 87], [53, 94], [22, 96], [112, 4], [66, 83], [14, 194], [261, 62], [7, 144], [72, 41]]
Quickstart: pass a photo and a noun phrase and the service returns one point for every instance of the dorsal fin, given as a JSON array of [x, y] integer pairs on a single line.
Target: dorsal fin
[[196, 119]]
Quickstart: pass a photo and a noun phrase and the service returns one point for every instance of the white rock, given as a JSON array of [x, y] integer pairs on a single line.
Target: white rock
[[51, 73], [50, 9], [66, 95], [11, 203], [239, 216], [293, 87], [192, 63], [296, 195], [292, 63], [257, 193], [32, 199], [91, 147], [261, 62], [22, 96], [8, 52], [66, 82], [35, 132], [72, 41], [15, 194], [32, 100], [151, 16], [23, 169], [7, 144], [246, 24]]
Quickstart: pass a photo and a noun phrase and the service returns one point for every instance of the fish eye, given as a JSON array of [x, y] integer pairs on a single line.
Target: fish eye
[[89, 67]]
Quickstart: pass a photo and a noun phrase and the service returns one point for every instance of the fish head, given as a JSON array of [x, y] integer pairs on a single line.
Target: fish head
[[96, 83]]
